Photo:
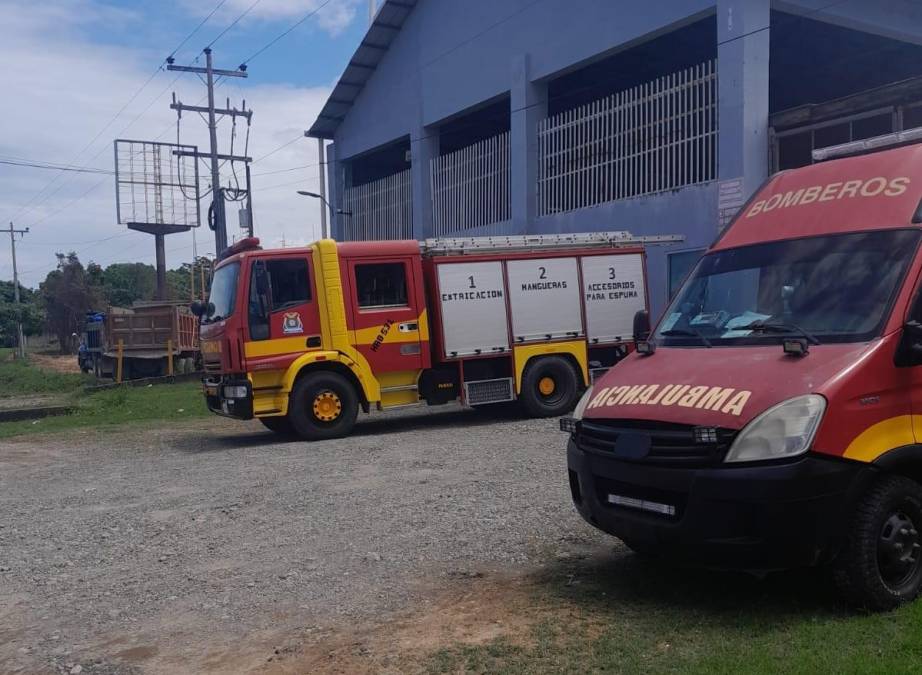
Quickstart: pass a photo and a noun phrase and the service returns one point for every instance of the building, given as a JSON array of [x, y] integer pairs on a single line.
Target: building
[[472, 117]]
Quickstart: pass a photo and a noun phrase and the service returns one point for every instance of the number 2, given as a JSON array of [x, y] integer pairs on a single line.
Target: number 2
[[543, 274], [472, 282]]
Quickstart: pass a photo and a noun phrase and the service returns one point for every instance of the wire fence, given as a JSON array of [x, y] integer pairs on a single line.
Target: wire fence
[[381, 209]]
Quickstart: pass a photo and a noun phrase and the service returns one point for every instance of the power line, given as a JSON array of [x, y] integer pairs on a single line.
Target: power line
[[293, 168], [196, 29], [52, 166], [233, 23], [281, 147], [288, 30]]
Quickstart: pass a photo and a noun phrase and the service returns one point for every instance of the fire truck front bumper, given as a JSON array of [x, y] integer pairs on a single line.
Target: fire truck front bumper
[[229, 395], [757, 518]]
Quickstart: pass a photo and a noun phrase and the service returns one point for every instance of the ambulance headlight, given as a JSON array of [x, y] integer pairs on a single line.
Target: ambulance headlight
[[568, 424], [784, 430]]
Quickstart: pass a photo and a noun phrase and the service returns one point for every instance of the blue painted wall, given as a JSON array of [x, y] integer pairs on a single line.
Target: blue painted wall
[[452, 55]]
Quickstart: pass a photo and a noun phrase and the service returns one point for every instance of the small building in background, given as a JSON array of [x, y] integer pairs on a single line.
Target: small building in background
[[491, 117]]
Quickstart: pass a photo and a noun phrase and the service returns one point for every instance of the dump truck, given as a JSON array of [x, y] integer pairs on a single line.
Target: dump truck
[[144, 338], [303, 338]]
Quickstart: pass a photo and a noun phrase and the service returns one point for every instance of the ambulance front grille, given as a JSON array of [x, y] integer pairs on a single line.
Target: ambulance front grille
[[481, 392], [670, 444]]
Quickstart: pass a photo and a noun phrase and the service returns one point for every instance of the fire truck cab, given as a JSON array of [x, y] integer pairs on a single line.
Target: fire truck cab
[[303, 338], [773, 417]]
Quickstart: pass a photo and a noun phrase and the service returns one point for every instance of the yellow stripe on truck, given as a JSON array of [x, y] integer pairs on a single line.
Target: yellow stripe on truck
[[289, 345]]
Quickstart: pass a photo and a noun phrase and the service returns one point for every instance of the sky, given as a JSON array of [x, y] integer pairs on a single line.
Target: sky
[[79, 73]]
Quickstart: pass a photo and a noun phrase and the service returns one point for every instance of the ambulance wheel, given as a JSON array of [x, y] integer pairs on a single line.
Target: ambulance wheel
[[550, 387], [881, 565], [323, 405], [280, 425]]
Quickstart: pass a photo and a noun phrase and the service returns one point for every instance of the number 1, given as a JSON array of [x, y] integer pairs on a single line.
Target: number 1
[[472, 282]]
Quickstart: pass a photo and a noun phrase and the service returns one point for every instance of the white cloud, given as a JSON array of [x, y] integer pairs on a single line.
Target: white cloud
[[333, 17], [69, 87]]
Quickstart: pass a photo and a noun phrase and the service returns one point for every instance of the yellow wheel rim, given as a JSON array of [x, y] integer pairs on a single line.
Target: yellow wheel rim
[[327, 406], [546, 386]]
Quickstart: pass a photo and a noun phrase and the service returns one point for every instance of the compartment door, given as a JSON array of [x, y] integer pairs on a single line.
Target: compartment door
[[472, 299], [613, 291], [544, 297]]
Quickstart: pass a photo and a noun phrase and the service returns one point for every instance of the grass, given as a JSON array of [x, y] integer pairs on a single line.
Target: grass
[[629, 616], [22, 378], [106, 409]]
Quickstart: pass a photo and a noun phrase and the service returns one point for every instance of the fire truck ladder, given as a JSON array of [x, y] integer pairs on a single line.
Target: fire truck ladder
[[542, 242]]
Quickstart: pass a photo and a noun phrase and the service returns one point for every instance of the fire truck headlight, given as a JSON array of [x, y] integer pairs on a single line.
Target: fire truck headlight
[[568, 424], [235, 392], [784, 430]]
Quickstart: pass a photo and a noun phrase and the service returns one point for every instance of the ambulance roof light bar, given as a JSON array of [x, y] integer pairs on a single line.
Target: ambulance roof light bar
[[529, 242], [867, 145]]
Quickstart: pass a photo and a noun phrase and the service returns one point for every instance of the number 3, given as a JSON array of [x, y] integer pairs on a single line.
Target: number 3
[[611, 272]]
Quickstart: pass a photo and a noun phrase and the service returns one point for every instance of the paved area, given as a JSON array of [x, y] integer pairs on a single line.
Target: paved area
[[213, 547]]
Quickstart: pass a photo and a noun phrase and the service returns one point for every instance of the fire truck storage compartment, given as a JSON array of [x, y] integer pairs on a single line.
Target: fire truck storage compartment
[[613, 291], [544, 298], [473, 308]]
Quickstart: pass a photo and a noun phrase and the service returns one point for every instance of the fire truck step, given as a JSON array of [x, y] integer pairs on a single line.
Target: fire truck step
[[480, 392]]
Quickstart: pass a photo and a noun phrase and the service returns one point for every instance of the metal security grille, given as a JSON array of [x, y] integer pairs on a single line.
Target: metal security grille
[[381, 209], [657, 136], [470, 187]]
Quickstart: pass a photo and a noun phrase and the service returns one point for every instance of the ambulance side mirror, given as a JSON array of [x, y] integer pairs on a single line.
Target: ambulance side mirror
[[641, 325], [909, 350]]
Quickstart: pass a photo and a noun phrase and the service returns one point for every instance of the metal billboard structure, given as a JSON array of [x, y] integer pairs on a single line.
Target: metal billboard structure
[[157, 192]]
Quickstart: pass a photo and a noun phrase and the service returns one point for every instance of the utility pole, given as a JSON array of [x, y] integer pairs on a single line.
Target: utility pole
[[20, 340], [324, 231], [217, 193]]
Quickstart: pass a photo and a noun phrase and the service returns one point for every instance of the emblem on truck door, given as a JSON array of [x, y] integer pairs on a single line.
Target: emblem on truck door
[[291, 323]]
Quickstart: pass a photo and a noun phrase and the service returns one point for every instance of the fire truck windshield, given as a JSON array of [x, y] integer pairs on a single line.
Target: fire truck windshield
[[835, 288], [223, 293]]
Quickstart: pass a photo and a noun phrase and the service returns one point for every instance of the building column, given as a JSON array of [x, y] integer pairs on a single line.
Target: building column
[[334, 193], [424, 145], [528, 106], [742, 73]]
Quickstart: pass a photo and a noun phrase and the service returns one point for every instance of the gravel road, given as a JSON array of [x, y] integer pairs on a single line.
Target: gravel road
[[214, 547]]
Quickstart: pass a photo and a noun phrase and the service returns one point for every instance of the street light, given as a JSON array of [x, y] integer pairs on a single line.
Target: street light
[[305, 193]]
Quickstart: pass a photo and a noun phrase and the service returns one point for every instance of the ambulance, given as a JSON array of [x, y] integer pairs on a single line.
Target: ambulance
[[302, 339], [772, 418]]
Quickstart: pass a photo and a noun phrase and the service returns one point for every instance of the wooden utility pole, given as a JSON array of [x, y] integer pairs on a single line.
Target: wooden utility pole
[[217, 194], [20, 339]]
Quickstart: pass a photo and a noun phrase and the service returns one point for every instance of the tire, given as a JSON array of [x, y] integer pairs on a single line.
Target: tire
[[279, 425], [550, 387], [880, 566], [323, 405]]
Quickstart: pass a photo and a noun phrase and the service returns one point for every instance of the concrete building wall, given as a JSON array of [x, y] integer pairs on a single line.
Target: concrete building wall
[[451, 56]]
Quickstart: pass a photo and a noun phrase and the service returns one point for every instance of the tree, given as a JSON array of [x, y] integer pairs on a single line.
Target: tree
[[67, 294], [124, 283]]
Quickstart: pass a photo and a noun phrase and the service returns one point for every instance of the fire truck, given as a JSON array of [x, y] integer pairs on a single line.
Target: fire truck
[[303, 338], [773, 417]]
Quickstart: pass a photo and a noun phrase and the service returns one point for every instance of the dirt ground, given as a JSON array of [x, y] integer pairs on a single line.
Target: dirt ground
[[213, 547], [55, 362]]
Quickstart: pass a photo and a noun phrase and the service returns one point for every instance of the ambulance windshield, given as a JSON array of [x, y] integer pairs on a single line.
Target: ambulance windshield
[[835, 288]]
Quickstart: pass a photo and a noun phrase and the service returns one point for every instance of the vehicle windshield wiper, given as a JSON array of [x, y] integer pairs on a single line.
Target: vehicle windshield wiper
[[672, 332], [777, 327]]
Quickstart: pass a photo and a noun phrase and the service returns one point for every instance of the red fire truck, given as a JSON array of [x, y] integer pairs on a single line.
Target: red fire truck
[[774, 417], [303, 338]]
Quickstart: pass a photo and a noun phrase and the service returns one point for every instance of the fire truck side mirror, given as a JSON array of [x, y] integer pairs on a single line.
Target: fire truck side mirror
[[641, 326], [197, 308]]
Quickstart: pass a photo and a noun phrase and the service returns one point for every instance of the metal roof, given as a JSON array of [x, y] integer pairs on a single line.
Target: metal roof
[[381, 33]]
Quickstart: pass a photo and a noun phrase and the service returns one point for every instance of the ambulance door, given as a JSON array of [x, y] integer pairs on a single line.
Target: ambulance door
[[387, 313]]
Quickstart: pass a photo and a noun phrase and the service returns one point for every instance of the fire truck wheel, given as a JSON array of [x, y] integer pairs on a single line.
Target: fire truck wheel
[[280, 425], [881, 565], [323, 405], [550, 387]]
